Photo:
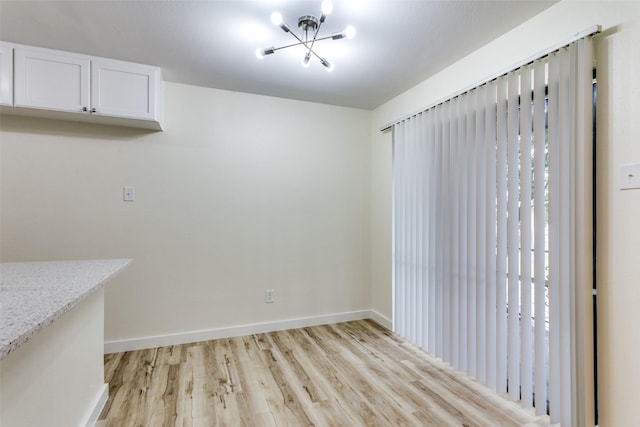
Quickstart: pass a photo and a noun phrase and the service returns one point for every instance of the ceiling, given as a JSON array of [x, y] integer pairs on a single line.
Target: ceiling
[[398, 43]]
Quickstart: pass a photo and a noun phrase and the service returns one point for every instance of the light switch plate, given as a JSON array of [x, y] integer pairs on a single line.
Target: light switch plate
[[129, 194], [629, 176]]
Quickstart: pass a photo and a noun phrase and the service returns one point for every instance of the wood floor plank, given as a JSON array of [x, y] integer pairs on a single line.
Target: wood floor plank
[[394, 385], [286, 347], [170, 397], [263, 385], [170, 355], [123, 385], [348, 374], [291, 395], [448, 381], [353, 370], [272, 401], [248, 396], [388, 364], [356, 404], [184, 395], [226, 385], [350, 408], [314, 394]]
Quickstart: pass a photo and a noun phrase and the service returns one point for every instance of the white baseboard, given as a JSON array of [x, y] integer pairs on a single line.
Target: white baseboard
[[236, 331], [98, 405], [382, 320]]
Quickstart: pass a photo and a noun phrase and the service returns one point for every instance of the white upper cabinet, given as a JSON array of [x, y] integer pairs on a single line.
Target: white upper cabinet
[[6, 75], [54, 81], [62, 85], [124, 90]]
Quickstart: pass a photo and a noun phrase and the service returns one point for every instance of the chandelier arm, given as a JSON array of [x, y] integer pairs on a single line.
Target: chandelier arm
[[316, 55], [322, 38], [302, 43], [316, 35], [305, 43], [289, 45]]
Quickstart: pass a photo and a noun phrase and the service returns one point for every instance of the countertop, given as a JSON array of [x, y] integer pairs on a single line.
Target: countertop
[[33, 295]]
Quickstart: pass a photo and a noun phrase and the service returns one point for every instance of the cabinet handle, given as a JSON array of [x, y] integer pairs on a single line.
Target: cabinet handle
[[93, 110], [84, 108]]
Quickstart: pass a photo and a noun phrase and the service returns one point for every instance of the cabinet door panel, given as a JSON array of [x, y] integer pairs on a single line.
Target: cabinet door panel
[[123, 90], [6, 75], [50, 80]]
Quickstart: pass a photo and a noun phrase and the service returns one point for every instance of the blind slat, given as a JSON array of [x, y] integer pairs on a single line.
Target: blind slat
[[554, 243], [565, 210], [455, 232], [501, 237], [411, 231], [433, 249], [481, 232], [490, 226], [472, 361], [423, 203], [540, 245], [446, 233], [439, 234], [513, 249], [526, 331], [463, 232]]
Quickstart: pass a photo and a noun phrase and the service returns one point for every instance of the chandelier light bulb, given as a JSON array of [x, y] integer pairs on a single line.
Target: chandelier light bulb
[[307, 58], [328, 65], [276, 18], [261, 53], [326, 7]]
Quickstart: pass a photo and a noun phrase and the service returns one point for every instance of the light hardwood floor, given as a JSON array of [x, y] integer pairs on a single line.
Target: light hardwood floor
[[347, 374]]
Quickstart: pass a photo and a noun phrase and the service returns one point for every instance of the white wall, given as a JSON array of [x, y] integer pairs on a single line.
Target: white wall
[[381, 198], [618, 138], [239, 194]]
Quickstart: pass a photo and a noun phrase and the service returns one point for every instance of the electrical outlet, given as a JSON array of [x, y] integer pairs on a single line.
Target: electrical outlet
[[268, 296]]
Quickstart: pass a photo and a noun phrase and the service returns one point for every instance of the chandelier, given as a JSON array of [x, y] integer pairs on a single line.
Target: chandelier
[[309, 26]]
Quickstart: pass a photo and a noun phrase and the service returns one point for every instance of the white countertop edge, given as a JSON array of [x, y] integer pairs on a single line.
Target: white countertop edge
[[21, 338]]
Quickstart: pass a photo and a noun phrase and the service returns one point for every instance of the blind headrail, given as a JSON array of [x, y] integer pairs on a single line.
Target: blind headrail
[[585, 33]]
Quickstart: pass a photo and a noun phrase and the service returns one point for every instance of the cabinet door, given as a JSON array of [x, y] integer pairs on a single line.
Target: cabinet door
[[51, 80], [6, 75], [124, 90]]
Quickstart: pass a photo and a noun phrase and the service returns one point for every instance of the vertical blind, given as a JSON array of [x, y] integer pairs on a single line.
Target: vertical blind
[[492, 213]]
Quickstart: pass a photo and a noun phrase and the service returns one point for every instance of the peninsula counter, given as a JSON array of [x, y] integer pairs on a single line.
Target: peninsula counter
[[52, 341]]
